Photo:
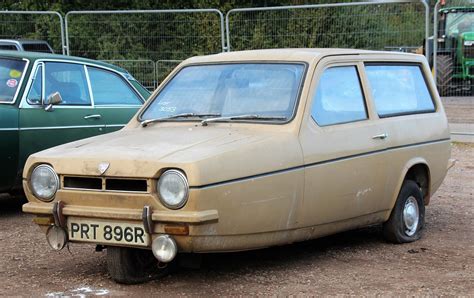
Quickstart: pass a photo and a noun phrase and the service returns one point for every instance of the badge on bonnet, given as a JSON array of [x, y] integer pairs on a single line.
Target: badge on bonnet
[[103, 166]]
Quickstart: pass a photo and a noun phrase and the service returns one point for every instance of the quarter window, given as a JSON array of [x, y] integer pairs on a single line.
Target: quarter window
[[34, 95], [110, 89], [69, 79], [399, 89], [339, 98]]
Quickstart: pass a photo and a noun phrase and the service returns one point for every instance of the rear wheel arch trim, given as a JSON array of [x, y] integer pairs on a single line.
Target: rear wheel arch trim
[[411, 164]]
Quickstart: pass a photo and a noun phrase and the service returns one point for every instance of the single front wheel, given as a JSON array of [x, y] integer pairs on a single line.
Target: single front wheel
[[408, 216], [132, 265]]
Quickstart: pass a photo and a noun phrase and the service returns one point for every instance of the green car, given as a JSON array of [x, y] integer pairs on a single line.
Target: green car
[[47, 100]]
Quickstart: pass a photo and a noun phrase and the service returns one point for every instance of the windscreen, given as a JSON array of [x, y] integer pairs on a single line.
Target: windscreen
[[11, 72], [459, 22], [264, 89]]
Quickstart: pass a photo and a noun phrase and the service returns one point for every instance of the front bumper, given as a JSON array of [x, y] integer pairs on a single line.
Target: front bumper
[[183, 226], [185, 217]]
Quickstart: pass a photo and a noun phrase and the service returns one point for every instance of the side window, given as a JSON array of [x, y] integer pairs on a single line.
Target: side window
[[69, 79], [399, 89], [108, 88], [339, 97], [34, 95]]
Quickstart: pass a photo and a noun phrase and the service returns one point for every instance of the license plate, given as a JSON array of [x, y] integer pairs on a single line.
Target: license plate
[[469, 42], [104, 231]]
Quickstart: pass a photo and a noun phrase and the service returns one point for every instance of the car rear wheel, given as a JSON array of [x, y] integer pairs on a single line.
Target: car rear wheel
[[408, 216], [131, 266]]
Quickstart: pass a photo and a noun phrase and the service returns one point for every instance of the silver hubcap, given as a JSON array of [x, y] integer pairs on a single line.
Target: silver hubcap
[[411, 216]]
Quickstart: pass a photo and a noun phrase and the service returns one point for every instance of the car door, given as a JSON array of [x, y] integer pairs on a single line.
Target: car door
[[114, 97], [343, 146], [13, 72], [75, 118]]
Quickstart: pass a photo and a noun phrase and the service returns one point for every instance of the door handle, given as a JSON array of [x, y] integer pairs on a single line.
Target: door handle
[[95, 116], [381, 136]]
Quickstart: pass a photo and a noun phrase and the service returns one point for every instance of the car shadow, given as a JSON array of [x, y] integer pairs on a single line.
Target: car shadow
[[289, 255], [10, 205]]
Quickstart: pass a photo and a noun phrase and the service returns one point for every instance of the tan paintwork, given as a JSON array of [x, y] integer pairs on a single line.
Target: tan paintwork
[[231, 205]]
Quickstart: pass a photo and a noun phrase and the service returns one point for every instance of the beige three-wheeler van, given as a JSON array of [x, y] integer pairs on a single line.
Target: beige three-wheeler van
[[246, 150]]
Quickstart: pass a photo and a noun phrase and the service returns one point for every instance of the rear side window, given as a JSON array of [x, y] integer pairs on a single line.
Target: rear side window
[[399, 90], [109, 88], [8, 47], [11, 72], [339, 98], [37, 47], [69, 79]]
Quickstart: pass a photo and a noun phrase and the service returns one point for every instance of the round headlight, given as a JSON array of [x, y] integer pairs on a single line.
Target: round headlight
[[173, 189], [44, 182]]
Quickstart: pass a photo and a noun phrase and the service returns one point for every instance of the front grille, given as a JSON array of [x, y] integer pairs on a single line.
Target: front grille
[[83, 182], [105, 184], [469, 51], [125, 185]]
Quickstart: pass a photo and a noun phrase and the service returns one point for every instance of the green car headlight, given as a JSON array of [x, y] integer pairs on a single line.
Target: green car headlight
[[44, 182]]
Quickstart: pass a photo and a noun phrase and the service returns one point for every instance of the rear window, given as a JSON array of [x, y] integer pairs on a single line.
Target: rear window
[[399, 89], [37, 47]]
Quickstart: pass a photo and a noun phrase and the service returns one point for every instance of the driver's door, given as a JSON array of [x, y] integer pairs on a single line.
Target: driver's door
[[75, 118]]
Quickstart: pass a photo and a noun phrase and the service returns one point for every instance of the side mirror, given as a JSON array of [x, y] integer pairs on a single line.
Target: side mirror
[[53, 99]]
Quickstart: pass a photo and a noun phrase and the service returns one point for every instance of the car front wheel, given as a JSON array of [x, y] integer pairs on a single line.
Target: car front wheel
[[131, 265], [408, 216]]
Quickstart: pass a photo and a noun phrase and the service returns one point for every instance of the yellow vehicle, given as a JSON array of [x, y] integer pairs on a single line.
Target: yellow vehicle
[[246, 150]]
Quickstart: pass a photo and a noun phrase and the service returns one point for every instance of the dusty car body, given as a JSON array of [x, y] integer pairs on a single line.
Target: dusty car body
[[323, 147], [88, 107]]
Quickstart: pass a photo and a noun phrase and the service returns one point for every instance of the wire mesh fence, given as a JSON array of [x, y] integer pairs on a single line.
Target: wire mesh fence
[[143, 70], [164, 67], [453, 58], [368, 25], [144, 35], [34, 25]]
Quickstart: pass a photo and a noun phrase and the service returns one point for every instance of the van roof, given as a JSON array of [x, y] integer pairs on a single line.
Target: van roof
[[301, 54]]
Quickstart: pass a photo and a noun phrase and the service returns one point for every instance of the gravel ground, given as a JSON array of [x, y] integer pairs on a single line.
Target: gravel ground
[[357, 262]]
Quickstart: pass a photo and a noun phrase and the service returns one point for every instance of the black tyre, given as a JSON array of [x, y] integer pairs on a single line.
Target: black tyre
[[408, 216], [444, 73], [132, 266]]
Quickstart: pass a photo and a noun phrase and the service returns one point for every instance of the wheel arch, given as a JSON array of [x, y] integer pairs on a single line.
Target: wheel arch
[[418, 170]]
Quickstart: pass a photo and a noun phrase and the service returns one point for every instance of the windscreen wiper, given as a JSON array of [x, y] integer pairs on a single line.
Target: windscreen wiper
[[182, 115], [242, 117]]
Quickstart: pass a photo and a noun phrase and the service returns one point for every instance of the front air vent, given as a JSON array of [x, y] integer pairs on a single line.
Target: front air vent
[[83, 183], [105, 184]]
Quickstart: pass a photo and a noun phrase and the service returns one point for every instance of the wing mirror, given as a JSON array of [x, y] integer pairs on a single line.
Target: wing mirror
[[52, 100]]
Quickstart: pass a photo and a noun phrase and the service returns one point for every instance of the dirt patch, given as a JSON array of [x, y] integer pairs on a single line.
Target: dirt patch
[[459, 109], [357, 262]]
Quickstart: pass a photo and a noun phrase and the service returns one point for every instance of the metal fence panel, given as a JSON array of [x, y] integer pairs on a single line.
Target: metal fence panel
[[381, 25], [142, 70], [144, 34], [453, 45], [37, 25]]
